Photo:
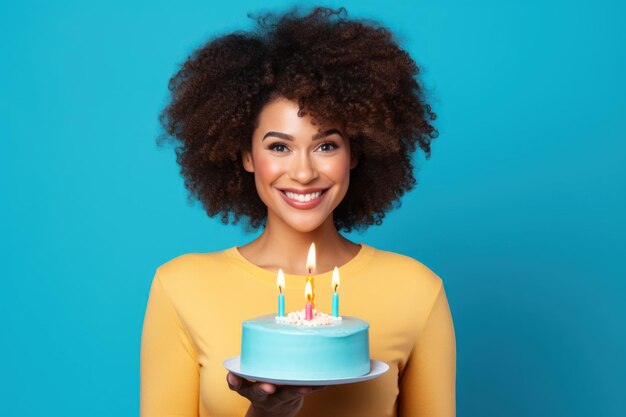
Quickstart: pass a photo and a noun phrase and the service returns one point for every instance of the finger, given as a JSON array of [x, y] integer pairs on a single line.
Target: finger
[[267, 387], [289, 393], [256, 391], [239, 384], [234, 381], [306, 390]]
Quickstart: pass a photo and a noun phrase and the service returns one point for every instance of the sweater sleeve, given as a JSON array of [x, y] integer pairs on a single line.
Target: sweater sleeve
[[427, 383], [169, 366]]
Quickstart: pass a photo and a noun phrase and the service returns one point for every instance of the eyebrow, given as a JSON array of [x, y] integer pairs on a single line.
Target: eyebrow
[[316, 136]]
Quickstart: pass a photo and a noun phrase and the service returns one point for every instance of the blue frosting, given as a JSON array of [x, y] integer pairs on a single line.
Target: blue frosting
[[283, 351]]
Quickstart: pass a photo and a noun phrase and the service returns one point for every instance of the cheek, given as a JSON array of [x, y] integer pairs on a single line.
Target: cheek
[[268, 170], [336, 168]]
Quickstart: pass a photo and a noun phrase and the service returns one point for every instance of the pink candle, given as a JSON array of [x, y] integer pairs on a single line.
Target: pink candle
[[308, 296]]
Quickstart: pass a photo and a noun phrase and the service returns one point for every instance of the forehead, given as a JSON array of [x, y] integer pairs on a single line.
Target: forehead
[[282, 114]]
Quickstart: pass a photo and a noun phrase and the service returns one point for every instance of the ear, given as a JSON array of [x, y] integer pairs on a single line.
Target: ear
[[246, 159], [353, 160]]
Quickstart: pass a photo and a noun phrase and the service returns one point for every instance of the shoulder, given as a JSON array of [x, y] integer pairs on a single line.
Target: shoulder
[[187, 270], [189, 261], [405, 269]]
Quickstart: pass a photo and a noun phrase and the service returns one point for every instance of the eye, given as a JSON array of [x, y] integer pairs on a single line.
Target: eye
[[278, 147], [328, 146]]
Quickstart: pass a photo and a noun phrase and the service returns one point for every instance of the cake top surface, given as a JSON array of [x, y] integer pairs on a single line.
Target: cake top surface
[[347, 325], [298, 318]]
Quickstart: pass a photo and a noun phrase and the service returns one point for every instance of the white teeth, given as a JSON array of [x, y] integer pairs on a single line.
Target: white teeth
[[303, 197]]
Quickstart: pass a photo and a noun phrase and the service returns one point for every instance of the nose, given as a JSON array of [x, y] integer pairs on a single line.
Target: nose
[[303, 169]]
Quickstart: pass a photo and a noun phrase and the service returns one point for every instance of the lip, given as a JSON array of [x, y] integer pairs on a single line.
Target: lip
[[304, 205], [303, 190]]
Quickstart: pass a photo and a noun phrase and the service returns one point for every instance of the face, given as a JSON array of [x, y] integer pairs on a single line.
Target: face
[[301, 173]]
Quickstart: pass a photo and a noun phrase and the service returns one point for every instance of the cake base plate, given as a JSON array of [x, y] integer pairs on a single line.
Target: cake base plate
[[377, 368]]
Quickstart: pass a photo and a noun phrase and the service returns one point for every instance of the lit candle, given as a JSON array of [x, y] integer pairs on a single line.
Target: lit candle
[[310, 267], [308, 293], [335, 284], [280, 283]]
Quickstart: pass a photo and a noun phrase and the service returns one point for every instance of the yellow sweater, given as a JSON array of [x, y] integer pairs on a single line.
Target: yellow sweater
[[198, 301]]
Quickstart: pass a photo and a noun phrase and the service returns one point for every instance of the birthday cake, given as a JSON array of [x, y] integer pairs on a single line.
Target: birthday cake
[[307, 344], [291, 347]]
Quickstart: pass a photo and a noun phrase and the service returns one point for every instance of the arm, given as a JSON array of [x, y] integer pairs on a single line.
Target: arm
[[427, 383], [169, 365]]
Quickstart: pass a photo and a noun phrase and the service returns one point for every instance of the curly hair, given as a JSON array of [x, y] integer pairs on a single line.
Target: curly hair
[[335, 69]]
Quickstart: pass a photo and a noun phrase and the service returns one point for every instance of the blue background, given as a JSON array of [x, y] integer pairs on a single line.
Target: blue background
[[519, 210]]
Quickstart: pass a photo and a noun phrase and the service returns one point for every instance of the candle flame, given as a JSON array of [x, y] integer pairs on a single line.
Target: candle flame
[[335, 282], [308, 292], [310, 261], [280, 280]]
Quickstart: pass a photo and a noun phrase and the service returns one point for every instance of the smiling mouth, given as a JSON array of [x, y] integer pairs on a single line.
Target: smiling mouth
[[302, 200]]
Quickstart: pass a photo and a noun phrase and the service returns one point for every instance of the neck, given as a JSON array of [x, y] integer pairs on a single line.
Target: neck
[[283, 245]]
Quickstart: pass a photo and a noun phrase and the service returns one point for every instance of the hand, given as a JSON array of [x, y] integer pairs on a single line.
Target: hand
[[269, 400]]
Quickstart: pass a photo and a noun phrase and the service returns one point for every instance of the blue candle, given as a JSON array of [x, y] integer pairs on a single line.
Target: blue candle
[[280, 283], [281, 305], [335, 284], [335, 305]]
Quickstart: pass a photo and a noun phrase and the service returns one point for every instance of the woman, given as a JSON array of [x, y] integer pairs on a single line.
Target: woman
[[305, 128]]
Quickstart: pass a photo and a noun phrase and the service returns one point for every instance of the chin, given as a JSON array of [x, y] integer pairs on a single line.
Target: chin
[[305, 223], [306, 226]]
